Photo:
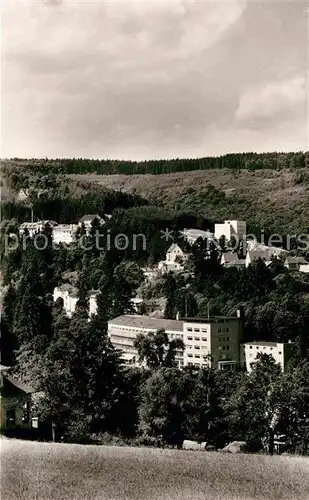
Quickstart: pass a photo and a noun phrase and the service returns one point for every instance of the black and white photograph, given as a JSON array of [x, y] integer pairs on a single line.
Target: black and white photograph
[[154, 250]]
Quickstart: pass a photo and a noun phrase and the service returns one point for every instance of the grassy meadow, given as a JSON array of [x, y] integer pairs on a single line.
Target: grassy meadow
[[44, 471]]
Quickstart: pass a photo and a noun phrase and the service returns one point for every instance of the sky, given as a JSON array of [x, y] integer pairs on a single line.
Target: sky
[[153, 79]]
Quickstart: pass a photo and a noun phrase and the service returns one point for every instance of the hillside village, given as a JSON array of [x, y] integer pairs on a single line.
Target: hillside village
[[193, 299]]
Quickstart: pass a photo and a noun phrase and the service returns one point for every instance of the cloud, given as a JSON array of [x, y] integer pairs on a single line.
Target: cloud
[[135, 79], [283, 98]]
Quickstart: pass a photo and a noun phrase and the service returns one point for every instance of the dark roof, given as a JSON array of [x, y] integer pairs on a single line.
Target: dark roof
[[147, 322], [12, 385]]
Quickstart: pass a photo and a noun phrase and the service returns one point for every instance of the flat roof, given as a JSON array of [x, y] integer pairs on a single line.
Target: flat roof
[[264, 343], [147, 322], [212, 319]]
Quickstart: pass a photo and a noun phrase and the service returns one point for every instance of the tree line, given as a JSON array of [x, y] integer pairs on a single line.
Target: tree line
[[250, 161]]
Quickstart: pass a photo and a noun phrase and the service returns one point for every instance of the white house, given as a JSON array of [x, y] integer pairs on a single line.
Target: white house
[[174, 259], [69, 296], [64, 233], [281, 352], [231, 229]]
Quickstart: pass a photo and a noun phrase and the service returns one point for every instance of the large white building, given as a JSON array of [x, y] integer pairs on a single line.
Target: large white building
[[208, 342], [281, 352], [231, 229], [35, 227], [64, 233], [214, 342], [124, 330]]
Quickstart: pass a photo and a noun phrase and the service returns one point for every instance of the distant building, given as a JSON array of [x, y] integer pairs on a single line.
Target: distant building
[[89, 219], [231, 229], [64, 233], [296, 264], [208, 342], [213, 342], [229, 259], [15, 408], [69, 295], [174, 260], [124, 330], [281, 352], [35, 227], [255, 255]]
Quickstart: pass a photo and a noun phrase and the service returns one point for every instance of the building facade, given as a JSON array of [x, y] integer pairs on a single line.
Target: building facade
[[64, 233], [124, 330], [231, 229], [281, 352], [208, 342], [213, 342], [174, 260], [69, 295]]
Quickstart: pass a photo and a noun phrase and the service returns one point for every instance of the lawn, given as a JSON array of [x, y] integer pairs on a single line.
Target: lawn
[[41, 471]]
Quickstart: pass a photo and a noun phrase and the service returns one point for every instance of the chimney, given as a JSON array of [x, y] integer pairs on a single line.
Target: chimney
[[178, 316]]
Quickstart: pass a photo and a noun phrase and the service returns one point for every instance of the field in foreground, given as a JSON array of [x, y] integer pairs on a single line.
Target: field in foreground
[[41, 471]]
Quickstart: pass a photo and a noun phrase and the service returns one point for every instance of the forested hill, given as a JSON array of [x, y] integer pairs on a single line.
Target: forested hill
[[249, 161]]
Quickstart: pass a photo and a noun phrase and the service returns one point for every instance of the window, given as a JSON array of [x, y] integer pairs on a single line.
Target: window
[[189, 329], [257, 347], [197, 356], [196, 329], [227, 330], [227, 347], [251, 347], [204, 330], [10, 417], [196, 347], [196, 338], [190, 338], [204, 339], [190, 355], [219, 330], [280, 352], [26, 413]]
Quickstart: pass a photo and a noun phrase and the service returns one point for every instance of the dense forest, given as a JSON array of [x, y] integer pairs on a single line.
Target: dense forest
[[250, 161], [92, 397]]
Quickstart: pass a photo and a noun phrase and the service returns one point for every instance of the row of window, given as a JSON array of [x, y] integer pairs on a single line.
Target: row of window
[[204, 339], [223, 330], [224, 339], [203, 330], [198, 356], [264, 348]]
